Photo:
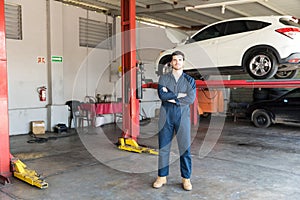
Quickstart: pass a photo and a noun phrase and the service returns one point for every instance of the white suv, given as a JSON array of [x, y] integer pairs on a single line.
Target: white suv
[[265, 47]]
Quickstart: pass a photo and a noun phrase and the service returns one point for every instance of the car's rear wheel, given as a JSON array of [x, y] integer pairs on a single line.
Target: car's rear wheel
[[261, 65], [164, 65], [261, 119], [286, 74]]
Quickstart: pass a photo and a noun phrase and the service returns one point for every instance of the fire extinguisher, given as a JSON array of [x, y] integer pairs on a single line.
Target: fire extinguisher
[[42, 93]]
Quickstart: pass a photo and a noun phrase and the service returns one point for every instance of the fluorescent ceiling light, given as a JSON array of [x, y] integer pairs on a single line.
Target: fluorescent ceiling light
[[79, 3], [157, 22]]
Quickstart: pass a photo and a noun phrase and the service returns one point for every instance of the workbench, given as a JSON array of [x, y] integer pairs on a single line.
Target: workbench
[[94, 109]]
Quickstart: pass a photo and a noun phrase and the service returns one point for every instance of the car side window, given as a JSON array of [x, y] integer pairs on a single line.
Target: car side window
[[234, 27], [294, 95], [255, 25], [208, 33], [240, 26]]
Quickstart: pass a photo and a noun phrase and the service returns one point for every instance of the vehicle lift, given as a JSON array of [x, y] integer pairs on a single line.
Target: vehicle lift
[[219, 84], [131, 92], [130, 134]]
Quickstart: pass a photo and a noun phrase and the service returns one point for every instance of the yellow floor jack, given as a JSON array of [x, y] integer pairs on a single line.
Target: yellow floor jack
[[129, 144], [21, 172]]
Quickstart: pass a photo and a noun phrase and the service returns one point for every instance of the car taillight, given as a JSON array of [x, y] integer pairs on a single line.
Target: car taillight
[[289, 32]]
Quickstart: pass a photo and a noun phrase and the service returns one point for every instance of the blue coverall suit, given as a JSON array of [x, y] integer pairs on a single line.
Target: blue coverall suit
[[175, 119]]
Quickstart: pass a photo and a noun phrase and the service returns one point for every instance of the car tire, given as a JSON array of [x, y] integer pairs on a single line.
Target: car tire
[[260, 94], [286, 74], [261, 118], [164, 65], [261, 65]]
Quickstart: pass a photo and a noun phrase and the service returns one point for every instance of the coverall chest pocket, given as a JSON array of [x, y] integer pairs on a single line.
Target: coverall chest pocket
[[183, 88]]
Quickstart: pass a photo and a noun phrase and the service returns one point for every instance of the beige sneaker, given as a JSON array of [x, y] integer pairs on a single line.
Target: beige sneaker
[[160, 181], [186, 184]]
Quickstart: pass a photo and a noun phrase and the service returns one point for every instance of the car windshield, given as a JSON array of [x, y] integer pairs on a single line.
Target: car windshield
[[208, 33], [290, 22]]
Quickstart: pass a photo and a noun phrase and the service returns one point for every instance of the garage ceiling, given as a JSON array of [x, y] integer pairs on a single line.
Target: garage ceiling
[[192, 14]]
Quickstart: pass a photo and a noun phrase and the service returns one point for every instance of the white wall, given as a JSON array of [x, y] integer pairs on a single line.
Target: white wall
[[25, 75], [82, 72]]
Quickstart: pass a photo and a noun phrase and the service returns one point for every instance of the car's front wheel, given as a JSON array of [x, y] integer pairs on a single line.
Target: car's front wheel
[[261, 118], [261, 65], [286, 74]]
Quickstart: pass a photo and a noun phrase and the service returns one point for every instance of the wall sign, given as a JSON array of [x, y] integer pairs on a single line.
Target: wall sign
[[41, 60], [56, 58]]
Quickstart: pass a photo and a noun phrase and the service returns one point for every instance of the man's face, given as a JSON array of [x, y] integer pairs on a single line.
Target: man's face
[[177, 62]]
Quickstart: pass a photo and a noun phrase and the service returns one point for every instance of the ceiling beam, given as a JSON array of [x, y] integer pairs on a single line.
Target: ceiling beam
[[159, 8], [100, 5], [180, 5], [220, 4], [156, 21], [141, 5], [237, 11], [168, 7], [269, 6], [170, 2], [159, 20], [208, 14], [185, 18]]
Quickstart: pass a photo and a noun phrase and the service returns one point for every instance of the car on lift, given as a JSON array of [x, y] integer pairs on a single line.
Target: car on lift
[[264, 47], [283, 109]]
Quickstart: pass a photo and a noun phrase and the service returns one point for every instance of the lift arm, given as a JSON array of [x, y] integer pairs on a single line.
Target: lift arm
[[285, 83], [234, 84], [21, 172]]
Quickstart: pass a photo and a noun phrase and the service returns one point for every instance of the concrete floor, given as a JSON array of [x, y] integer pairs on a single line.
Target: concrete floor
[[231, 160]]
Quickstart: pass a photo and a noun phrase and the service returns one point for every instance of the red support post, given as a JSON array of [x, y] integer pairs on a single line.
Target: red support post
[[129, 85], [194, 111], [5, 172]]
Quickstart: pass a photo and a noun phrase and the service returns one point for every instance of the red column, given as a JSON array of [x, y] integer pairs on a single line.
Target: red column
[[130, 102], [4, 130], [194, 110]]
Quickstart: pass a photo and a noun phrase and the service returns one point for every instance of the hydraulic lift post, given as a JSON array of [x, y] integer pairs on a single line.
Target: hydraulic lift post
[[129, 86], [131, 107], [5, 172]]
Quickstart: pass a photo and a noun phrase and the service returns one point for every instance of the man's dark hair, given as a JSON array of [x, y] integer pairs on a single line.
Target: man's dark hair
[[176, 53]]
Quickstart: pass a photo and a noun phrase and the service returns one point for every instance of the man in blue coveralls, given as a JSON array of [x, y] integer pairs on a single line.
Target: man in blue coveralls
[[177, 91]]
